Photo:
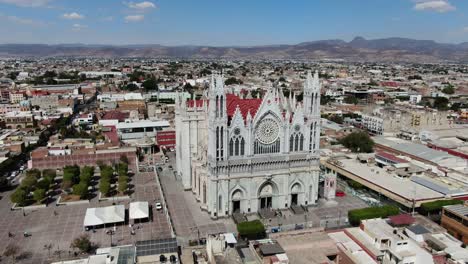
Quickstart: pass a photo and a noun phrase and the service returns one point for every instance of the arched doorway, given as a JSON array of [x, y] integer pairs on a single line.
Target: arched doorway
[[236, 201], [266, 195], [296, 190]]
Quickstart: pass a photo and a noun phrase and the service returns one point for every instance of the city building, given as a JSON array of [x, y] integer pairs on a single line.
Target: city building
[[247, 155], [19, 120], [455, 220], [140, 128], [373, 124]]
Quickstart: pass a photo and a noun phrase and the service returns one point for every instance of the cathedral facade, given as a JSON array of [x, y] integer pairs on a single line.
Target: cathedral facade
[[249, 154]]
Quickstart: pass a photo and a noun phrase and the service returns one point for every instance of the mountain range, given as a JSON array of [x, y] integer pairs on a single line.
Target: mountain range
[[358, 49]]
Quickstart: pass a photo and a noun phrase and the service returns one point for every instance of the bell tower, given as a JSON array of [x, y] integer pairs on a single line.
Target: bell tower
[[217, 119]]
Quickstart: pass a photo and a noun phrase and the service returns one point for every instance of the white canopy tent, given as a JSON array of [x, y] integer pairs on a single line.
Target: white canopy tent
[[139, 210], [104, 215]]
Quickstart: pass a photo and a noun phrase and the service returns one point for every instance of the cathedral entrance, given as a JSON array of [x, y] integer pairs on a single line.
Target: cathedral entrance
[[266, 195], [265, 202], [294, 199], [236, 206]]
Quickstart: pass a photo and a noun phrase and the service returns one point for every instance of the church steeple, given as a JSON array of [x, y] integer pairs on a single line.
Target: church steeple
[[217, 118]]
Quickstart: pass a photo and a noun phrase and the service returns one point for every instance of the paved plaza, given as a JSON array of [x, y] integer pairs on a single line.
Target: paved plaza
[[190, 222], [61, 228]]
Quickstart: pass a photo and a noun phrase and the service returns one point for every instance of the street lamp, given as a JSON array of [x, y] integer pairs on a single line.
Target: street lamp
[[110, 232]]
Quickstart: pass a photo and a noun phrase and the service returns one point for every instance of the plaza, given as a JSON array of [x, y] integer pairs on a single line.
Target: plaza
[[57, 226]]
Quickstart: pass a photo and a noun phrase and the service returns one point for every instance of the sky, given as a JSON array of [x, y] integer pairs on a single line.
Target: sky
[[228, 22]]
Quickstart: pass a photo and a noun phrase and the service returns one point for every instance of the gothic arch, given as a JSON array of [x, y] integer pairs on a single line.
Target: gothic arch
[[295, 183], [268, 188], [237, 195], [296, 188], [236, 189]]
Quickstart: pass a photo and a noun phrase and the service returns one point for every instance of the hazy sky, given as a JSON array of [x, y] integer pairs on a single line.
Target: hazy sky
[[233, 22]]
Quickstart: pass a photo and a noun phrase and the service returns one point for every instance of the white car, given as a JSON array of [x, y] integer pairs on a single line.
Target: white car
[[158, 206]]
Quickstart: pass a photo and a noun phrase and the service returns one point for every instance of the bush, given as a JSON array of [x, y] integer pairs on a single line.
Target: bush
[[104, 187], [358, 142], [251, 230], [436, 206], [39, 195], [20, 196], [81, 189], [82, 243], [355, 216], [34, 173]]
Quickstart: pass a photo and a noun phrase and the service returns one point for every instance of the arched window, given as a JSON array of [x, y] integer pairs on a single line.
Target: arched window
[[242, 146], [236, 145], [221, 106], [296, 142], [231, 147]]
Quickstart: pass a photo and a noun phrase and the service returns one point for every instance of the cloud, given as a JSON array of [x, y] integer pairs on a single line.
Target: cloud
[[78, 27], [440, 6], [134, 18], [27, 3], [141, 6], [465, 29], [72, 16]]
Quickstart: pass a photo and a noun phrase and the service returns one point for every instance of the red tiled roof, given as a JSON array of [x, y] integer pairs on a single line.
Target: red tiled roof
[[112, 135], [245, 105], [389, 84], [232, 101], [402, 219], [115, 115]]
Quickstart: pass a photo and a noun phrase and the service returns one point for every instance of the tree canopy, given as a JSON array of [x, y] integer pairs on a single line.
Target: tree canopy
[[358, 142]]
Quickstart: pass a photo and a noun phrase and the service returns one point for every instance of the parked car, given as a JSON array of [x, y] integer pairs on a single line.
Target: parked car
[[158, 206]]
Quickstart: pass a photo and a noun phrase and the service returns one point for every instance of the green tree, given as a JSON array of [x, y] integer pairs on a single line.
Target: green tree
[[124, 159], [131, 87], [71, 174], [20, 197], [150, 84], [39, 195], [82, 243], [81, 190], [49, 174], [123, 169], [34, 172], [86, 175], [104, 187], [43, 184], [449, 89], [123, 184], [29, 182], [358, 142], [440, 103]]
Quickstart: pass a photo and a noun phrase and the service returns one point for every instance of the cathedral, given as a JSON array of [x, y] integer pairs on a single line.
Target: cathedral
[[243, 155]]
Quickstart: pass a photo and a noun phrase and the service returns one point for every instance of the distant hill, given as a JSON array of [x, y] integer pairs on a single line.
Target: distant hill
[[359, 49]]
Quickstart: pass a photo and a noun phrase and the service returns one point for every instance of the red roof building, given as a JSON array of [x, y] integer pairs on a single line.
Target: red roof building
[[166, 139]]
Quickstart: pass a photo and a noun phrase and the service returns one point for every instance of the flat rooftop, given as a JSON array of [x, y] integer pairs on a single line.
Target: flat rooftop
[[307, 247], [390, 182]]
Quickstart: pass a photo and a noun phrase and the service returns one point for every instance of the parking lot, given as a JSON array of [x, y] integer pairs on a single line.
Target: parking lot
[[60, 228]]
